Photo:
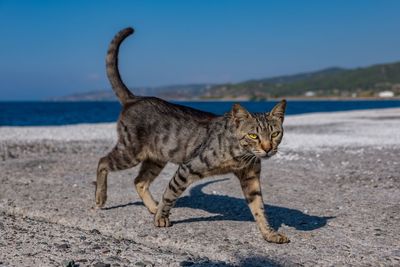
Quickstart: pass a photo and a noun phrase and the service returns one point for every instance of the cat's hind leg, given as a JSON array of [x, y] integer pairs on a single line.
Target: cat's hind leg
[[149, 170], [120, 158]]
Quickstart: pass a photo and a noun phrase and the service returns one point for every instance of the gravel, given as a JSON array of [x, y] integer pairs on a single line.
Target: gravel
[[334, 189]]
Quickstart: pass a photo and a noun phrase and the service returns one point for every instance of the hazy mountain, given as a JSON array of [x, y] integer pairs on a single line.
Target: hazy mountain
[[366, 81], [331, 82], [188, 91]]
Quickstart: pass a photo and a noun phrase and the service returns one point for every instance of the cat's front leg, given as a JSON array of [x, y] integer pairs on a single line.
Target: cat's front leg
[[184, 176], [250, 183]]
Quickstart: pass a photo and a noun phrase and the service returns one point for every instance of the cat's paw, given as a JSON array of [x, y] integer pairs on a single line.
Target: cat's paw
[[161, 221], [101, 199], [275, 237]]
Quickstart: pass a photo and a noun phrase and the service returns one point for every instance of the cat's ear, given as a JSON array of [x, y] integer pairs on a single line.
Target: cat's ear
[[279, 110], [239, 113]]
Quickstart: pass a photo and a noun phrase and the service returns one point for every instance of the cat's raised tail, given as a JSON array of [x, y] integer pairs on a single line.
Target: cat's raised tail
[[114, 77]]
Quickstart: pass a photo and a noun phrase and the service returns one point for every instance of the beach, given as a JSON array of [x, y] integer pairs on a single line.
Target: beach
[[333, 189]]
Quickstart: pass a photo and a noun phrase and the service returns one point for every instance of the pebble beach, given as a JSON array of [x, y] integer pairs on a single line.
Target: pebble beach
[[333, 189]]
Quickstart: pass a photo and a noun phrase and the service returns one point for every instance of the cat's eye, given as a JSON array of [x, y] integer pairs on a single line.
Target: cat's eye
[[275, 134], [253, 136]]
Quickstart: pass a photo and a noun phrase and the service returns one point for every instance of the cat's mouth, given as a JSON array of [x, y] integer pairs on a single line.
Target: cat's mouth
[[261, 155], [265, 154]]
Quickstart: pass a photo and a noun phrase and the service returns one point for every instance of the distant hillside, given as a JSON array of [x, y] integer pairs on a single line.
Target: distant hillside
[[332, 82], [362, 82], [176, 92]]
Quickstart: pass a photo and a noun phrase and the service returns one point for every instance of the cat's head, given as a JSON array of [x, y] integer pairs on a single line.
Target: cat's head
[[259, 133]]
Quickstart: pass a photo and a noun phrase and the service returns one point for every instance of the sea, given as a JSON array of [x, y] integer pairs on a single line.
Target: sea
[[43, 113]]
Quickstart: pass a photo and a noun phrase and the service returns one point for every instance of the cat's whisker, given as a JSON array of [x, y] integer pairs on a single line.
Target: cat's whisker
[[254, 160], [245, 158], [251, 160]]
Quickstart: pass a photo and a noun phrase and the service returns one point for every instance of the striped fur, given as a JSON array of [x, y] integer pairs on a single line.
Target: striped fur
[[117, 84], [153, 132]]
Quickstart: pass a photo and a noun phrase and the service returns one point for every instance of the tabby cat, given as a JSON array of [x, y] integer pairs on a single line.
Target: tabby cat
[[153, 132]]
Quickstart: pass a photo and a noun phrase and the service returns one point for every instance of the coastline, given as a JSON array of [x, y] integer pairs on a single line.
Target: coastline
[[289, 98], [73, 113], [107, 132], [333, 189]]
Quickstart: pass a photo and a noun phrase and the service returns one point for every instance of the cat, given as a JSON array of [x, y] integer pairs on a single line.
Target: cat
[[153, 132]]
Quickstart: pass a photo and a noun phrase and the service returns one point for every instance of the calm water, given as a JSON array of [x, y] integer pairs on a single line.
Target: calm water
[[61, 113]]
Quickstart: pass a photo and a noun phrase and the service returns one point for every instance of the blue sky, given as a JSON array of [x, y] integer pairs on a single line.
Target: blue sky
[[54, 48]]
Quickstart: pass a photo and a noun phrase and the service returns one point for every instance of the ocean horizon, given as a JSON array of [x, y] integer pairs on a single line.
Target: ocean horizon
[[49, 113]]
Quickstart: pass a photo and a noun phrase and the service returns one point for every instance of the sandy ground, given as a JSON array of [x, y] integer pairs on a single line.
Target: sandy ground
[[334, 189]]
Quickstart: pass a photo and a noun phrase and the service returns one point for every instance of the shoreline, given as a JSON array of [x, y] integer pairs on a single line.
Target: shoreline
[[107, 131], [76, 113], [290, 98]]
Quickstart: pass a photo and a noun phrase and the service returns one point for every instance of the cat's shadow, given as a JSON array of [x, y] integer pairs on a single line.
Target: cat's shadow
[[236, 209]]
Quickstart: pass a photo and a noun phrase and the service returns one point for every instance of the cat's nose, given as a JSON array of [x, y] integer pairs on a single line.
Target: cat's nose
[[266, 146]]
